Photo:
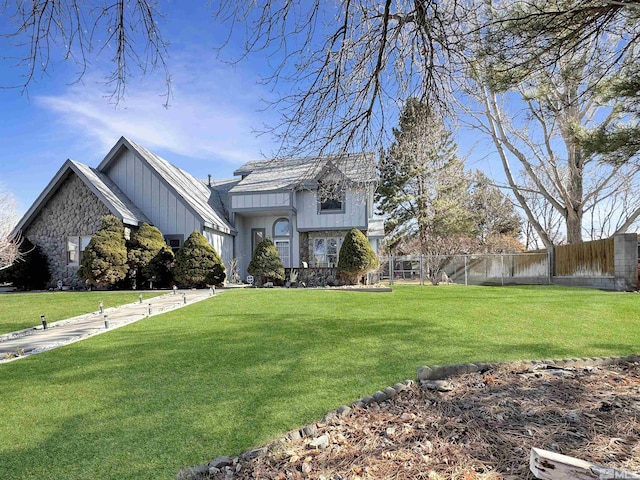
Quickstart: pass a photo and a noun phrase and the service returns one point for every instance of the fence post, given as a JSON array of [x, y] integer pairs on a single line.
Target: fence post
[[502, 269], [550, 264], [465, 271], [390, 269]]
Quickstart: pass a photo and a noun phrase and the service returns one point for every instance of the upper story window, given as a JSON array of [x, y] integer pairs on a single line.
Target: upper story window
[[281, 228], [330, 197]]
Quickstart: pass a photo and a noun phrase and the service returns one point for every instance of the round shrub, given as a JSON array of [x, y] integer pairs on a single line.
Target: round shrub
[[266, 263], [198, 264], [357, 258], [104, 261], [147, 245]]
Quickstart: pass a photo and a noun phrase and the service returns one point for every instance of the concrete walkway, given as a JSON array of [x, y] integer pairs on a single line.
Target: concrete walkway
[[17, 345]]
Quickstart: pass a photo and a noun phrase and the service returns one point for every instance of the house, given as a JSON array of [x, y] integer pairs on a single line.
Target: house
[[305, 205]]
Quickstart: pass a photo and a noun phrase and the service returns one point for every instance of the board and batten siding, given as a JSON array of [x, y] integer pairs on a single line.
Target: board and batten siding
[[260, 200], [148, 191], [355, 212], [223, 244]]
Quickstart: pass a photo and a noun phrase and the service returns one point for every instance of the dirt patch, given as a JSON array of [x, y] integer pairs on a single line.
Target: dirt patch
[[482, 428]]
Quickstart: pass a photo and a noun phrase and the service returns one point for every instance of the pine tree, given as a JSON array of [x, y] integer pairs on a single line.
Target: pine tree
[[104, 261], [197, 263], [266, 263], [356, 257], [423, 189], [145, 247]]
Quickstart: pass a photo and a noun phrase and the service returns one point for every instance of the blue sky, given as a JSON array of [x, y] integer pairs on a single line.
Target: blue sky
[[209, 127]]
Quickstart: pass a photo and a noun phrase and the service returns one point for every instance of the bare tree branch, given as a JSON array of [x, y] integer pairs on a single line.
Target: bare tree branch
[[43, 32]]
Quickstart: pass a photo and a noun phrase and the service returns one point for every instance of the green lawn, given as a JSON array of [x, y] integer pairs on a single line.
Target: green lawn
[[23, 310], [241, 368]]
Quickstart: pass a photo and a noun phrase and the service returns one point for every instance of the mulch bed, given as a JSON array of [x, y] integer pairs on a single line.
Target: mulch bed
[[482, 428]]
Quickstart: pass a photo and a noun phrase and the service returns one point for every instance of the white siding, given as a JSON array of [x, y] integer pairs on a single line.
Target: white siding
[[260, 200], [243, 239], [142, 185], [223, 244], [355, 211]]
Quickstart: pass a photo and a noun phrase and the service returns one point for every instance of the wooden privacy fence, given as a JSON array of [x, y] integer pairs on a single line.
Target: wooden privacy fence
[[594, 258]]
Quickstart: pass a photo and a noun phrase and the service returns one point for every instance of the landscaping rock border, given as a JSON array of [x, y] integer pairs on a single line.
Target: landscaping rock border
[[442, 372], [430, 377]]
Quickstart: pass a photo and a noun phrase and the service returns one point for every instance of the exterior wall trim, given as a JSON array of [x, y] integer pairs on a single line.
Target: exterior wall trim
[[359, 227], [263, 209]]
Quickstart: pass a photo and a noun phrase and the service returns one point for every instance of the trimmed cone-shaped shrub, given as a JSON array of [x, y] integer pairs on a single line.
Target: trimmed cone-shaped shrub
[[266, 263], [357, 258], [145, 244], [31, 272], [158, 270], [104, 261], [198, 264]]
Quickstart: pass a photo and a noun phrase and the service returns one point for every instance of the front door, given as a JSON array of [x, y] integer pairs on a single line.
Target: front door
[[257, 235]]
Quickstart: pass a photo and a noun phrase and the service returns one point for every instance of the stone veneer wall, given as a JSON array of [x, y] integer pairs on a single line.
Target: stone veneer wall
[[73, 211]]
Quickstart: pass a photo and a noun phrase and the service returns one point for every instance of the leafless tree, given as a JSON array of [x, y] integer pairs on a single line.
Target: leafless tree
[[9, 243], [350, 65], [543, 139], [42, 32]]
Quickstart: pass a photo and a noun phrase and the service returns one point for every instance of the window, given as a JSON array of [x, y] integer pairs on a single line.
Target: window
[[73, 251], [174, 241], [283, 251], [281, 235], [75, 247], [281, 228], [330, 197], [326, 250]]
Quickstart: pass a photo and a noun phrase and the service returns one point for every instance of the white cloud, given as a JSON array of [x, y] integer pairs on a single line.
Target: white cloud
[[211, 115]]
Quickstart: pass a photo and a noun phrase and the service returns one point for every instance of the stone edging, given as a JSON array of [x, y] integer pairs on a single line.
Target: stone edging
[[440, 372], [425, 374]]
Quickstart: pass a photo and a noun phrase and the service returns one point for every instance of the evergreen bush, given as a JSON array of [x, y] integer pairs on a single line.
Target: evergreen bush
[[357, 258], [198, 264], [104, 261], [31, 272], [266, 263], [145, 247], [158, 270]]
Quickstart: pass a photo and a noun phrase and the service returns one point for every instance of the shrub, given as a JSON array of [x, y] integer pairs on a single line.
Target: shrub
[[104, 261], [356, 258], [145, 247], [158, 271], [266, 263], [198, 264], [31, 272]]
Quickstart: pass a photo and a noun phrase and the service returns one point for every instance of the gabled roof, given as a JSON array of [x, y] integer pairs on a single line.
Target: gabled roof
[[106, 191], [194, 192], [292, 173]]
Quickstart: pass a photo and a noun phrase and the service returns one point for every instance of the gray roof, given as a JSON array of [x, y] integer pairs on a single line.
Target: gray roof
[[196, 194], [293, 173], [219, 198], [112, 195], [106, 191]]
